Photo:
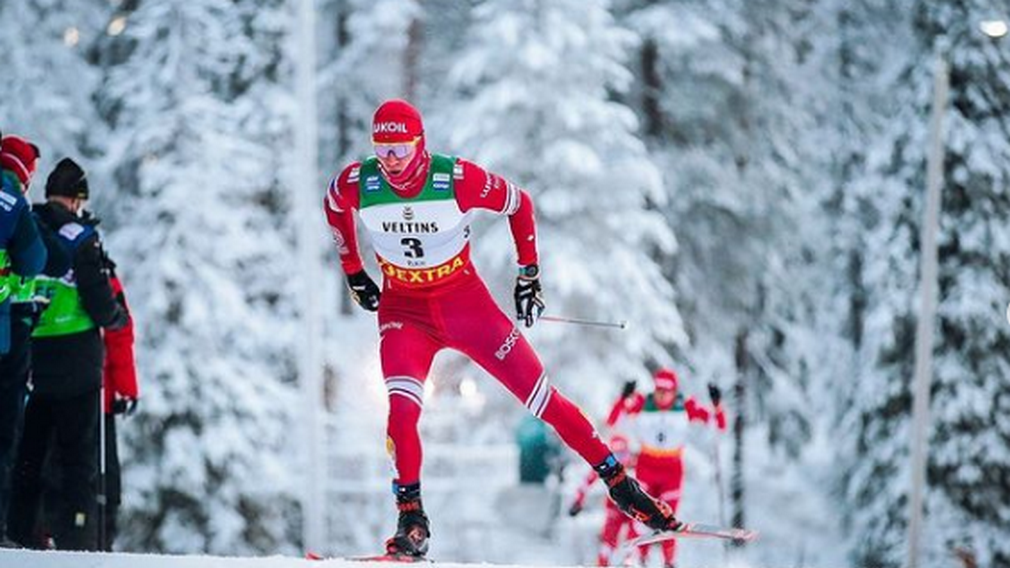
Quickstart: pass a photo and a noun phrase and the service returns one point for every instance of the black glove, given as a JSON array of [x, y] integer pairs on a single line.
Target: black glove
[[714, 394], [628, 389], [529, 295], [363, 290], [125, 406], [120, 320], [575, 509]]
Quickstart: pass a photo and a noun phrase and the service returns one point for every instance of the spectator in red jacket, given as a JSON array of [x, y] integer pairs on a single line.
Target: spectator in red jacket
[[119, 377]]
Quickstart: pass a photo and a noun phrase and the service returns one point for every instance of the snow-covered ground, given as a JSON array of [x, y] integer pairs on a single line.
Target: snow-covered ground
[[31, 559]]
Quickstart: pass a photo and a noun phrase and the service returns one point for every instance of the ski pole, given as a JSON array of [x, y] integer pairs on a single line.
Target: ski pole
[[719, 494], [101, 497], [577, 321]]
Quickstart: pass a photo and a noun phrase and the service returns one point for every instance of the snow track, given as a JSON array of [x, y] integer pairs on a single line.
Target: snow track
[[33, 559]]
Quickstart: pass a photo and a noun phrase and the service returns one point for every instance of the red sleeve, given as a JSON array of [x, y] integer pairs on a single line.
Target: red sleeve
[[120, 368], [477, 188], [339, 205], [700, 413], [626, 406]]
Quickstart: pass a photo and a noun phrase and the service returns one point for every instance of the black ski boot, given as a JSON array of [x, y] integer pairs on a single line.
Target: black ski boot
[[627, 494], [412, 532]]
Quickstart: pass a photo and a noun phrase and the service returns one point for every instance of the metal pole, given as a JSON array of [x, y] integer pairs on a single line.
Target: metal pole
[[720, 494], [586, 322], [927, 312], [102, 499], [308, 220]]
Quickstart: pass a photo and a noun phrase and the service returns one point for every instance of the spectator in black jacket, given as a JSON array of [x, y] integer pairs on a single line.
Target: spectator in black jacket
[[67, 359]]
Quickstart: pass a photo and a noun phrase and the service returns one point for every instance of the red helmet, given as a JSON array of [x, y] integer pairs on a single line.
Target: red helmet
[[665, 379]]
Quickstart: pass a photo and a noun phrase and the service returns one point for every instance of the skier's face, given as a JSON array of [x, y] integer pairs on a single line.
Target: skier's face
[[396, 157], [665, 397]]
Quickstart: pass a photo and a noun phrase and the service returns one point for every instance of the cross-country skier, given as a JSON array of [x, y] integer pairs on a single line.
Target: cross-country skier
[[658, 425], [416, 207]]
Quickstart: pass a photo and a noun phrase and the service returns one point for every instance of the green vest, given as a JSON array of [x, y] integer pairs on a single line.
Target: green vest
[[22, 289], [650, 403], [6, 276], [65, 314], [438, 187]]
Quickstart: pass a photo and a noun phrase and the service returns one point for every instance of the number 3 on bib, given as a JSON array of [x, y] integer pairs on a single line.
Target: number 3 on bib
[[413, 247]]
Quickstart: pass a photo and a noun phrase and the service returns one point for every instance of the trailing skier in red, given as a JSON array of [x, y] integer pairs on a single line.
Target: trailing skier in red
[[658, 425]]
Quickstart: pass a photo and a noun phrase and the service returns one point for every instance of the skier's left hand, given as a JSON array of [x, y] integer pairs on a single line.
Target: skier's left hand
[[529, 295], [715, 394], [124, 406]]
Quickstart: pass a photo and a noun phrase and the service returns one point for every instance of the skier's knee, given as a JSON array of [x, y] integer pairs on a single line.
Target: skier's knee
[[404, 392]]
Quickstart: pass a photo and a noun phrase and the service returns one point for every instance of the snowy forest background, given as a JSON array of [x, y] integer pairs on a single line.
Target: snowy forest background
[[742, 180]]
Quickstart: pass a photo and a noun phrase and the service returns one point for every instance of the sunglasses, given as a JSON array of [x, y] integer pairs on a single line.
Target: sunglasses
[[400, 150]]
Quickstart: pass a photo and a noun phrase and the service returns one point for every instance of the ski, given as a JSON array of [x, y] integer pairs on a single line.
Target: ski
[[695, 530], [397, 558], [400, 558]]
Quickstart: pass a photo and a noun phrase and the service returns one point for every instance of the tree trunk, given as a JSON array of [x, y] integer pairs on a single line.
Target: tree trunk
[[739, 423], [412, 59], [652, 88]]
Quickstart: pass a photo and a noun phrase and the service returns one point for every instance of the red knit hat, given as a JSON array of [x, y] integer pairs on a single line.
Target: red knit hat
[[19, 156], [396, 121], [666, 379]]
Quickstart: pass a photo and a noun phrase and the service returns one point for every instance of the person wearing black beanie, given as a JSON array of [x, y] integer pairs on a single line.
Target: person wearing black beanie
[[67, 365], [68, 180]]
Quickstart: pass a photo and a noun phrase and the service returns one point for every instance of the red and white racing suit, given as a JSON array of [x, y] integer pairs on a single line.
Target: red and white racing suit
[[659, 435], [432, 297]]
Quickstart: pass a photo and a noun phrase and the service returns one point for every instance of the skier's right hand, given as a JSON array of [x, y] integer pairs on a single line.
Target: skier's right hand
[[628, 389], [575, 509], [363, 290]]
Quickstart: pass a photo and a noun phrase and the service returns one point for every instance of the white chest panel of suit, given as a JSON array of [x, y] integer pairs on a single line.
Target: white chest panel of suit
[[419, 234], [663, 430]]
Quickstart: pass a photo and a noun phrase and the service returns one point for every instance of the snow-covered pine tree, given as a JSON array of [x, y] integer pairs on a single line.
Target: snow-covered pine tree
[[45, 93], [968, 471], [861, 106], [195, 95], [722, 88], [364, 62], [871, 50], [536, 82]]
